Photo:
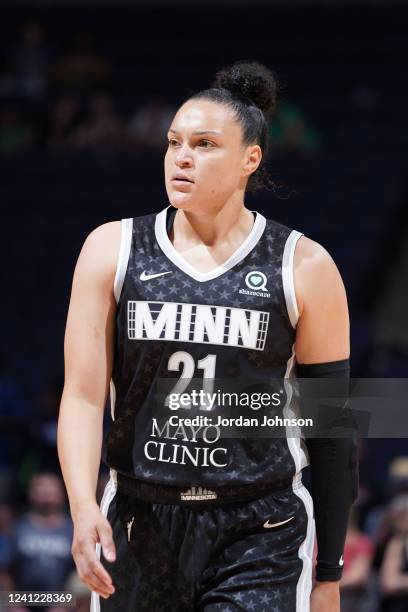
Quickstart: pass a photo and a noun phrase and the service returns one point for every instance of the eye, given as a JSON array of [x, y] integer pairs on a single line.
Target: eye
[[206, 144], [172, 142]]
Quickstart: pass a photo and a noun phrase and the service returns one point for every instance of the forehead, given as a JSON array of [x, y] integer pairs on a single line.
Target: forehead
[[202, 115]]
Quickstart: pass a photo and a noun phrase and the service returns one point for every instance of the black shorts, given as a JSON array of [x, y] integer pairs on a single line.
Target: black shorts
[[255, 555]]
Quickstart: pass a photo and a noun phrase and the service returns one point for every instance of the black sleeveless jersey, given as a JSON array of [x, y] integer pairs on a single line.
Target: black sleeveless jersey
[[221, 331]]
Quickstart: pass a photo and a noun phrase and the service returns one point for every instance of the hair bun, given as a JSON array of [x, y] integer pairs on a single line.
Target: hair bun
[[247, 79]]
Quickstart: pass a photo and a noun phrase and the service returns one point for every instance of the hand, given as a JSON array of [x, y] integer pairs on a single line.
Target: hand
[[90, 527], [325, 597]]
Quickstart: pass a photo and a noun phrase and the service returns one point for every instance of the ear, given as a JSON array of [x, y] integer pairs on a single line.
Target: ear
[[252, 159]]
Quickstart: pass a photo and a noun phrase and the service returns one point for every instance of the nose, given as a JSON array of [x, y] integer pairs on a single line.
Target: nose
[[184, 158]]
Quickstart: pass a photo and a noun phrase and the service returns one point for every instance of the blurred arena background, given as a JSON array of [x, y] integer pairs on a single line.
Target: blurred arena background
[[87, 91]]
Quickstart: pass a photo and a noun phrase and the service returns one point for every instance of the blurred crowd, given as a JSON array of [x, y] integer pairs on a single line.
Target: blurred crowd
[[63, 99], [35, 524]]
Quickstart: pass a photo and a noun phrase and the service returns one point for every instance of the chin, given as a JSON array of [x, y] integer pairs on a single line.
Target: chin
[[182, 202]]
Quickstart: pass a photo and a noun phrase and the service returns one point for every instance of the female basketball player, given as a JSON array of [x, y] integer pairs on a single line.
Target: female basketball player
[[204, 290]]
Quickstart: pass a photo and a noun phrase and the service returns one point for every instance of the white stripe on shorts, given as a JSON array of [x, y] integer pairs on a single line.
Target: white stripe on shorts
[[304, 585]]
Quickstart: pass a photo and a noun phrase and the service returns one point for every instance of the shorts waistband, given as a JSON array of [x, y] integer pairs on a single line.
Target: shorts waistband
[[196, 494]]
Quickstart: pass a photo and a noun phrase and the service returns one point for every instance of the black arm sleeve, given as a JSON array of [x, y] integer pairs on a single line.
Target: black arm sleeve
[[334, 466]]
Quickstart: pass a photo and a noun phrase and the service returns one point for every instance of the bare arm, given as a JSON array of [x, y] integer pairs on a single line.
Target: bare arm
[[88, 363], [323, 330]]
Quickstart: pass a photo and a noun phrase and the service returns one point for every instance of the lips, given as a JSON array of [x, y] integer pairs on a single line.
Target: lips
[[182, 177]]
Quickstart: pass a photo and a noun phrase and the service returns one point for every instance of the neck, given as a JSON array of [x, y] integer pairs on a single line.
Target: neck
[[212, 227]]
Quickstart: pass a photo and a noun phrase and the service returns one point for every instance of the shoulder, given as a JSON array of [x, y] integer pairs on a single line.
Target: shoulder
[[100, 251], [107, 234], [104, 241], [315, 272], [311, 255]]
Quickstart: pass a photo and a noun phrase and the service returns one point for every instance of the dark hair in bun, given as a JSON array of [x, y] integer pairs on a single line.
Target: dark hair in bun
[[250, 81], [250, 90]]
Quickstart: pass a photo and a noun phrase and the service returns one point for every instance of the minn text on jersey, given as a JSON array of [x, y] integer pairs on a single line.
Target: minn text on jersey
[[198, 323]]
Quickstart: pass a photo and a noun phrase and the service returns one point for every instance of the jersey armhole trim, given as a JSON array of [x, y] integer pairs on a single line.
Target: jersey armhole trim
[[288, 276], [123, 258]]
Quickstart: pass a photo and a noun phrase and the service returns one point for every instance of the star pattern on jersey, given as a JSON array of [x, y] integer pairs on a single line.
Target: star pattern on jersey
[[150, 360]]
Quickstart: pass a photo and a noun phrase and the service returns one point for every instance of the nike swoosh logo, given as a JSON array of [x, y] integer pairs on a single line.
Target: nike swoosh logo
[[145, 277], [268, 525]]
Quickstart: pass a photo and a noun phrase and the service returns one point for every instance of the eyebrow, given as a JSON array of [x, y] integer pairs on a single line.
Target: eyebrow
[[199, 131]]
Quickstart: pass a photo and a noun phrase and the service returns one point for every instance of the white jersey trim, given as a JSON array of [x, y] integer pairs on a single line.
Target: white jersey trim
[[298, 450], [305, 582], [291, 410], [107, 497], [288, 276], [123, 258], [112, 389], [171, 253]]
